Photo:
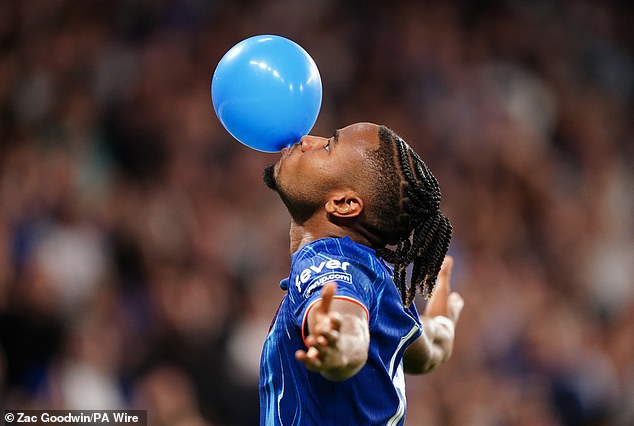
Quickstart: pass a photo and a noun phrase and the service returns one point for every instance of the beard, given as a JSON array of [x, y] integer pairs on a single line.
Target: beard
[[269, 177], [300, 208]]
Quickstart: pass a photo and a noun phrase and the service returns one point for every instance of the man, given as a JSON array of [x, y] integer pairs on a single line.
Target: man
[[347, 329]]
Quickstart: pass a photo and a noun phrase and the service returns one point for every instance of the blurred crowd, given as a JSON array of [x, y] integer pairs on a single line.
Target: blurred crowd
[[140, 254]]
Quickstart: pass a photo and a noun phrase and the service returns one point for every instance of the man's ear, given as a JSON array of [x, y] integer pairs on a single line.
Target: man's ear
[[344, 204]]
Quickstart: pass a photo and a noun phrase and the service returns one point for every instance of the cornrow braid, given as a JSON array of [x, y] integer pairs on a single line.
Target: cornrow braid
[[422, 232]]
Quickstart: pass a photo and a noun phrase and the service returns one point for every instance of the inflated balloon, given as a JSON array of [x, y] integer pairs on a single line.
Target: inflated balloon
[[266, 91]]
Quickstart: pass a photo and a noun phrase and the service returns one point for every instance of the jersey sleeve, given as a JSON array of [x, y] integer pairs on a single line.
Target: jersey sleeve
[[354, 283]]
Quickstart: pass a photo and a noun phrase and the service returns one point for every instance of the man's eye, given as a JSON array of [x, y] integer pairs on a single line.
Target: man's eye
[[327, 147]]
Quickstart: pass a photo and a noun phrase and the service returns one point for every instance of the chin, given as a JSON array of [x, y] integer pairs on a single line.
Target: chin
[[269, 177]]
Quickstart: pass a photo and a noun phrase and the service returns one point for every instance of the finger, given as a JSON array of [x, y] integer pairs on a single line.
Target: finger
[[330, 337], [327, 294], [455, 303], [311, 340], [310, 359], [322, 341], [330, 321], [303, 356], [312, 353], [437, 305], [335, 320], [300, 355], [444, 276]]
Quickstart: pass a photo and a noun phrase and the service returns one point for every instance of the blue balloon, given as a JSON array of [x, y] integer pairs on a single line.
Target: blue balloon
[[266, 91]]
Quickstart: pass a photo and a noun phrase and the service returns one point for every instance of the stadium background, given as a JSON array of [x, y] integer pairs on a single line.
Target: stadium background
[[140, 253]]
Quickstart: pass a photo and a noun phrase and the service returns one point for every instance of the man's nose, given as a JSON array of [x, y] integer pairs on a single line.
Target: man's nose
[[309, 142]]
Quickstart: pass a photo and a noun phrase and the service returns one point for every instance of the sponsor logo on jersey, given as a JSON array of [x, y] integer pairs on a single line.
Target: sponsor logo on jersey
[[320, 280], [324, 270]]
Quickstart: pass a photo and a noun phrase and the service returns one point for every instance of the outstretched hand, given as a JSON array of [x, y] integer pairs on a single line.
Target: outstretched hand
[[435, 345], [443, 301], [338, 337], [322, 353]]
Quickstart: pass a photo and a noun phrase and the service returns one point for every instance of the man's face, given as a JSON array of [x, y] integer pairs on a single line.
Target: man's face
[[310, 170]]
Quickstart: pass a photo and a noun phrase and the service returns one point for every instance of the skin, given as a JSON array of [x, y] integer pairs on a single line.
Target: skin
[[321, 182], [325, 173], [435, 345]]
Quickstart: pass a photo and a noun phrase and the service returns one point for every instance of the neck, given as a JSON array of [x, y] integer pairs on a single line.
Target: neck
[[317, 228]]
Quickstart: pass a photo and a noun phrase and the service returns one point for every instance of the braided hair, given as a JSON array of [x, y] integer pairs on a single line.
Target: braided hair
[[418, 233]]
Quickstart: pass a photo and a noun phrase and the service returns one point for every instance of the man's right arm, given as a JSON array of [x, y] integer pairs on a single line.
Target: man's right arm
[[339, 337]]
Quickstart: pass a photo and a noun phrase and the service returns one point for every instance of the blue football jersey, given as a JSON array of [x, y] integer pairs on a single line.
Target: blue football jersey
[[292, 395]]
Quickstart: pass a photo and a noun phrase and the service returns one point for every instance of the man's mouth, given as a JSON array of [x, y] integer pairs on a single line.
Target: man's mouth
[[289, 149]]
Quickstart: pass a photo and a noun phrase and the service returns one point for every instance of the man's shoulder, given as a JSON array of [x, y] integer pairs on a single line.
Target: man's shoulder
[[336, 259]]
